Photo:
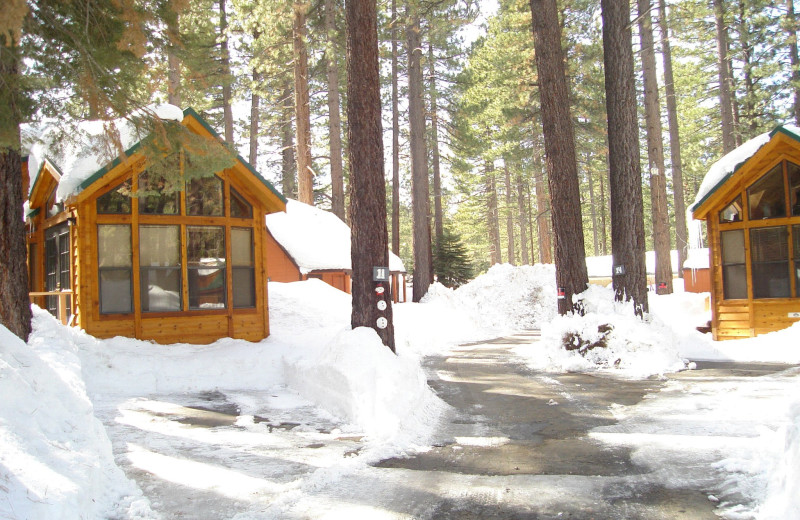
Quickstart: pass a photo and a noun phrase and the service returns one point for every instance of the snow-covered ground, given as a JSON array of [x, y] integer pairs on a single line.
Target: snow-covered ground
[[76, 410]]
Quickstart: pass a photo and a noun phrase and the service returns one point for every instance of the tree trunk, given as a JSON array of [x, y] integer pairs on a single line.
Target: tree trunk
[[542, 221], [395, 138], [523, 219], [288, 163], [305, 183], [603, 206], [438, 223], [791, 29], [627, 213], [255, 116], [334, 116], [15, 307], [560, 161], [593, 215], [746, 53], [369, 242], [681, 233], [492, 218], [173, 62], [725, 80], [227, 95], [655, 153], [512, 254], [420, 191]]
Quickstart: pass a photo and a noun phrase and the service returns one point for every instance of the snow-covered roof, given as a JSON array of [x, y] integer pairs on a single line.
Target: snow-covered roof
[[87, 150], [601, 266], [316, 239], [721, 170]]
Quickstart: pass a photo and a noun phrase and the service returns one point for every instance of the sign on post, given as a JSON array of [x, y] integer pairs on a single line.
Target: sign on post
[[380, 274]]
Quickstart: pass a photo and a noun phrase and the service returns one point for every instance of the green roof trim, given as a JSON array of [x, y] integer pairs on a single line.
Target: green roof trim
[[778, 129], [186, 112], [191, 112]]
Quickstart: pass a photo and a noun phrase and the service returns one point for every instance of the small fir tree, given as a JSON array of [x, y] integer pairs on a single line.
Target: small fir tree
[[451, 260]]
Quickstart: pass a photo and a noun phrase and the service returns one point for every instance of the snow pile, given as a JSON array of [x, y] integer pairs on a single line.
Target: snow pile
[[506, 298], [638, 348], [357, 378], [55, 457], [783, 492]]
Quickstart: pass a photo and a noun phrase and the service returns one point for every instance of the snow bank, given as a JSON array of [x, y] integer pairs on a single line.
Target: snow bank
[[634, 347], [783, 492], [358, 379], [55, 457]]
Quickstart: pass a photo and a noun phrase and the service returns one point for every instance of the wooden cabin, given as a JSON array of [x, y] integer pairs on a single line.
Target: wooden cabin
[[186, 266], [750, 201], [308, 242]]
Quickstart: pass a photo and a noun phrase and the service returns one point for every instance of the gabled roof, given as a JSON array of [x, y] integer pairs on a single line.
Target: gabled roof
[[733, 162], [84, 160], [315, 239]]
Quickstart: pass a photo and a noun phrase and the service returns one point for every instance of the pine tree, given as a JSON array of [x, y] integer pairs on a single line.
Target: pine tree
[[451, 260]]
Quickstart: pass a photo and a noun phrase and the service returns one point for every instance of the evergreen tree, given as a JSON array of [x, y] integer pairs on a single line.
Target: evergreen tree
[[451, 260]]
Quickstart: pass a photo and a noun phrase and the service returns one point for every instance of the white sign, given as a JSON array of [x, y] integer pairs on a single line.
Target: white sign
[[381, 305], [382, 323], [794, 314], [379, 290]]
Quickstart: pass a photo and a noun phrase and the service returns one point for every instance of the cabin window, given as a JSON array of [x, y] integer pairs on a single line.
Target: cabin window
[[244, 290], [793, 172], [240, 208], [796, 250], [732, 212], [115, 269], [770, 262], [204, 197], [734, 271], [157, 195], [116, 201], [160, 268], [205, 255], [766, 198]]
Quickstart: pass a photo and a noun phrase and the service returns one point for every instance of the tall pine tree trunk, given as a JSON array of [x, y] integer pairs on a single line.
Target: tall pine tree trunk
[[655, 153], [227, 94], [395, 137], [603, 224], [791, 29], [369, 238], [288, 162], [523, 220], [493, 220], [725, 80], [681, 233], [334, 116], [512, 254], [627, 213], [255, 117], [560, 160], [173, 62], [420, 190], [438, 219], [15, 307], [305, 182], [542, 221]]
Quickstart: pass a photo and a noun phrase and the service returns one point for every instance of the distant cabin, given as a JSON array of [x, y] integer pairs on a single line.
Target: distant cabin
[[695, 272], [187, 266], [308, 242], [750, 201]]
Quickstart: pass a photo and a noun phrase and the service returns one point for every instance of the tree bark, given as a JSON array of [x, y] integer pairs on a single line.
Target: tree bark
[[791, 29], [560, 160], [523, 220], [15, 307], [255, 116], [420, 190], [227, 94], [679, 196], [173, 62], [542, 221], [334, 116], [395, 137], [627, 214], [725, 80], [495, 251], [305, 182], [512, 254], [438, 219], [288, 162], [655, 152], [369, 242], [603, 206]]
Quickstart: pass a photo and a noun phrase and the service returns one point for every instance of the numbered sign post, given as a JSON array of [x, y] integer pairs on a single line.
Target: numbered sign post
[[380, 274]]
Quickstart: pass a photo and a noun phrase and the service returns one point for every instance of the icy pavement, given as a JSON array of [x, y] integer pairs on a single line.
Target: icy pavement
[[518, 444]]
